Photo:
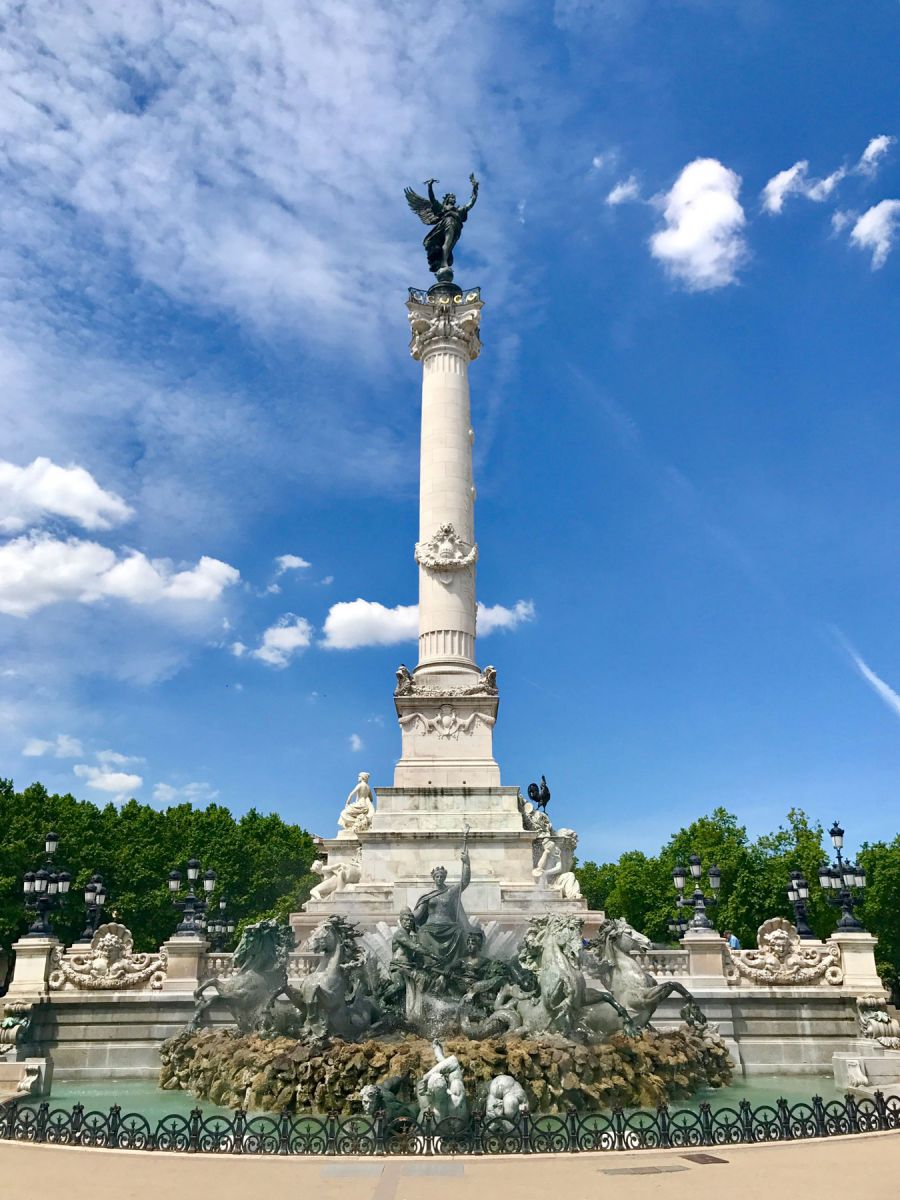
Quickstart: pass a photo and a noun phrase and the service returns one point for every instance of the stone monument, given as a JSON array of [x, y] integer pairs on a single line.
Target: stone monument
[[447, 777]]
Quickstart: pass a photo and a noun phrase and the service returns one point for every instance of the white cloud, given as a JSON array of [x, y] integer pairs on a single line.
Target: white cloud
[[872, 155], [291, 562], [876, 229], [841, 219], [354, 623], [786, 183], [881, 689], [112, 758], [192, 793], [27, 494], [496, 616], [281, 641], [356, 743], [220, 147], [38, 570], [795, 180], [120, 783], [625, 190], [238, 649], [62, 746], [702, 244]]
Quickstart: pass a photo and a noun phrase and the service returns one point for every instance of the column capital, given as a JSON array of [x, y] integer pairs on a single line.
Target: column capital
[[444, 323]]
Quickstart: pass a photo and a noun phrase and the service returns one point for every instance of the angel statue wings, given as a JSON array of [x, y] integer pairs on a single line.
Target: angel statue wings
[[446, 219]]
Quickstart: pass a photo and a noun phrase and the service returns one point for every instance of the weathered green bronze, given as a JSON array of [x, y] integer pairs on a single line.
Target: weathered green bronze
[[446, 219]]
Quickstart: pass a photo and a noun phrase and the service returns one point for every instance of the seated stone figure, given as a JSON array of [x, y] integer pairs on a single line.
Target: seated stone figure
[[356, 815]]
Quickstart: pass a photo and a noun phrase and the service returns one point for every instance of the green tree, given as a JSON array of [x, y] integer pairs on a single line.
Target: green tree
[[261, 861], [881, 863]]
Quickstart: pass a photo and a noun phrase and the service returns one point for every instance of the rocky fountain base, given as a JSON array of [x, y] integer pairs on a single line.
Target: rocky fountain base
[[282, 1074]]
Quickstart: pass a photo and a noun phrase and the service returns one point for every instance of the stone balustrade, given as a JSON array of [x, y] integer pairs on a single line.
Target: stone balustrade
[[666, 963]]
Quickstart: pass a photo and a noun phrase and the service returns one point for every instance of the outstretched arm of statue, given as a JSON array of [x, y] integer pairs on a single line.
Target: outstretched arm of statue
[[466, 875], [474, 196], [429, 183]]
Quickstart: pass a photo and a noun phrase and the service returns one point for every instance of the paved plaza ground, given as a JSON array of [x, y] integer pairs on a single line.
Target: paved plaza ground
[[853, 1166]]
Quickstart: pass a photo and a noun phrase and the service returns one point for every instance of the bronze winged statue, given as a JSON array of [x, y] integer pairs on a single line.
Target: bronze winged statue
[[446, 219]]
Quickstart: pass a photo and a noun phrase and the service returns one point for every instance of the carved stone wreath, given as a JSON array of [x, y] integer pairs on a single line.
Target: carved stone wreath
[[783, 959], [445, 552], [446, 724], [110, 964], [408, 685]]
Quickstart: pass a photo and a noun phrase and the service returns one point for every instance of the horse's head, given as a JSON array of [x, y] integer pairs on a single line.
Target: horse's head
[[617, 934], [337, 932], [263, 945]]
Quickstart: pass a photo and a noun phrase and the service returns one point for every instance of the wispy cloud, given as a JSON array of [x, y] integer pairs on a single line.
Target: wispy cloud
[[879, 686], [62, 746], [796, 180], [290, 562], [624, 191]]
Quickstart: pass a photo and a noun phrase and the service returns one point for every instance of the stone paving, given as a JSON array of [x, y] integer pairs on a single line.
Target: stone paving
[[862, 1165]]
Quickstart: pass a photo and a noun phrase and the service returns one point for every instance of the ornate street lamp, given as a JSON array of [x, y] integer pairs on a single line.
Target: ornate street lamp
[[45, 890], [798, 894], [221, 926], [95, 897], [679, 925], [192, 907], [699, 901], [839, 880]]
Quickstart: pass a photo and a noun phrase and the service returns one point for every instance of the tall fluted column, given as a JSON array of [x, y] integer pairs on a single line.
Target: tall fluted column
[[445, 339], [447, 707]]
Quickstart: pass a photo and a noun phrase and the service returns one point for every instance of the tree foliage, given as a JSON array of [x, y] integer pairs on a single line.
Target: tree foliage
[[754, 881], [261, 861]]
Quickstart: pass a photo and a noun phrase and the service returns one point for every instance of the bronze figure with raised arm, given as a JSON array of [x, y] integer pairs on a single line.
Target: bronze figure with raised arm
[[446, 219], [441, 922]]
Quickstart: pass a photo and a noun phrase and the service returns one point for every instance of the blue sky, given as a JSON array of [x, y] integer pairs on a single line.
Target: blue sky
[[688, 240]]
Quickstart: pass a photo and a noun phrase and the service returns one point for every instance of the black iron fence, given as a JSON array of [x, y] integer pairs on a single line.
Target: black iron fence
[[290, 1134]]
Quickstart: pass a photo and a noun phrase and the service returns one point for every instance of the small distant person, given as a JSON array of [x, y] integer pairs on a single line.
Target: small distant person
[[733, 943]]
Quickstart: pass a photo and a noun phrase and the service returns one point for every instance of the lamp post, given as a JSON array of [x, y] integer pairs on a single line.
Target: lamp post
[[839, 880], [221, 926], [95, 897], [679, 925], [192, 907], [699, 901], [45, 889], [798, 894]]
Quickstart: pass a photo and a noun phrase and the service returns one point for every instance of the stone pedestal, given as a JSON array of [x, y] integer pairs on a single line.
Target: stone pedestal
[[858, 961], [417, 829], [32, 967], [706, 958], [185, 955]]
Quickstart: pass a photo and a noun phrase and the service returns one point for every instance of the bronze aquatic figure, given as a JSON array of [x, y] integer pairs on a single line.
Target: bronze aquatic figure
[[446, 219]]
